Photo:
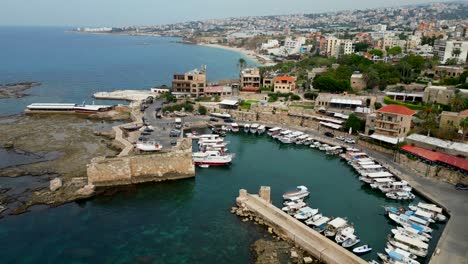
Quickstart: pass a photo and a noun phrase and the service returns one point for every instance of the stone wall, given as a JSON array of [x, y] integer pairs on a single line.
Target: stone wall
[[173, 165], [375, 147], [432, 171]]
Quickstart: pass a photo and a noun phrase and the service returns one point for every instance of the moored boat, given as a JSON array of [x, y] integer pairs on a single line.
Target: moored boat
[[298, 193], [274, 131], [234, 127], [212, 158], [334, 225], [261, 129], [246, 128], [253, 128], [362, 249], [305, 213], [400, 195], [149, 146], [344, 233], [351, 241]]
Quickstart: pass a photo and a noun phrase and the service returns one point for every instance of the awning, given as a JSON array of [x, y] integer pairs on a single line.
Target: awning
[[380, 174], [229, 102], [391, 140], [346, 101]]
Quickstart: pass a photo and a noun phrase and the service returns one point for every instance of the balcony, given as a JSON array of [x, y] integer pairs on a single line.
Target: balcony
[[387, 129], [386, 122]]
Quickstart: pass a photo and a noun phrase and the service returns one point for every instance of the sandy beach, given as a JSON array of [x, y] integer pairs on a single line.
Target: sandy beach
[[248, 53]]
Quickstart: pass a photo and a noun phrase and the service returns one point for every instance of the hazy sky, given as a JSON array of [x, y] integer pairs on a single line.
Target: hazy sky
[[150, 12]]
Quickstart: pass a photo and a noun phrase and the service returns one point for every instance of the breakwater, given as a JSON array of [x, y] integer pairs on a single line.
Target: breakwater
[[289, 228]]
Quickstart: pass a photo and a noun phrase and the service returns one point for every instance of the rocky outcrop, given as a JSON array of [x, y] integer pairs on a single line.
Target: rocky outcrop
[[14, 90], [55, 184]]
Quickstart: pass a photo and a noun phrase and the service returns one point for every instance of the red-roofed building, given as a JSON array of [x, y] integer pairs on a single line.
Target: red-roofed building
[[284, 84], [392, 121], [437, 157], [251, 89], [218, 91]]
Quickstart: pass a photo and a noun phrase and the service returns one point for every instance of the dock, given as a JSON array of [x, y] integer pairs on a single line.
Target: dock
[[292, 229]]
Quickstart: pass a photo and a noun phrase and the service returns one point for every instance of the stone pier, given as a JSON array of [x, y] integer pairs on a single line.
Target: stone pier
[[292, 229]]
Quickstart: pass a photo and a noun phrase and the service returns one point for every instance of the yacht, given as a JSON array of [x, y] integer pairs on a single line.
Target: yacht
[[410, 221], [246, 128], [212, 158]]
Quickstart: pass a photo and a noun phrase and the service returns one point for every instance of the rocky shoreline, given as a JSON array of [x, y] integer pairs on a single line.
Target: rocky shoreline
[[273, 249], [15, 90]]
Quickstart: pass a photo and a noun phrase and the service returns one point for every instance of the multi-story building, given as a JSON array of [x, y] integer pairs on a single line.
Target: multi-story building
[[250, 77], [441, 94], [284, 84], [331, 46], [268, 80], [345, 47], [379, 27], [344, 103], [450, 121], [191, 83], [413, 42], [390, 122], [451, 49]]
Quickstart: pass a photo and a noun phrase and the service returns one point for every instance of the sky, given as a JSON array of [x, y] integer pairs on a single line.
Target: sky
[[152, 12]]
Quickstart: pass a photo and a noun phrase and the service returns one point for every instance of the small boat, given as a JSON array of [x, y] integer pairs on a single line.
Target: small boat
[[246, 128], [234, 127], [430, 208], [373, 262], [293, 205], [204, 166], [399, 258], [362, 249], [305, 213], [399, 250], [149, 146], [397, 186], [298, 193], [410, 234], [344, 233], [313, 219], [414, 231], [261, 129], [253, 128], [274, 131], [351, 241], [212, 158], [400, 195], [320, 228], [334, 225]]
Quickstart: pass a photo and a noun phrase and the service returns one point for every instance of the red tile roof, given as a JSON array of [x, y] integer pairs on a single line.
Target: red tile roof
[[434, 156], [464, 113], [250, 89], [397, 109], [285, 78]]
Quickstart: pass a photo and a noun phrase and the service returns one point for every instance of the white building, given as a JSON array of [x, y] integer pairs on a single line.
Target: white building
[[379, 27], [291, 46], [345, 47], [448, 49], [272, 43]]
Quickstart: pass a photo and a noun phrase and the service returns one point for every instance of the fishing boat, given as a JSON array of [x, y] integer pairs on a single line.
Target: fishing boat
[[333, 150], [298, 193], [410, 234], [261, 129], [395, 257], [334, 225], [362, 249], [381, 181], [411, 221], [212, 158], [274, 131], [313, 219], [415, 246], [397, 186], [343, 233], [253, 128], [305, 213], [246, 128], [149, 146], [293, 205], [300, 139], [401, 249], [414, 230], [400, 195], [234, 127], [308, 141], [430, 208], [318, 220], [350, 241]]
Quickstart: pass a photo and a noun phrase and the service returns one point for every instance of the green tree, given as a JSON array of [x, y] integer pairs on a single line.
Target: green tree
[[355, 123], [451, 61], [462, 78], [457, 103], [372, 78], [429, 120], [361, 46], [464, 126], [242, 63], [330, 84], [376, 52], [456, 52], [202, 110], [395, 50]]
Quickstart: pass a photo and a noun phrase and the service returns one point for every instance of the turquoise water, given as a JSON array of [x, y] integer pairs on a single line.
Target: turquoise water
[[73, 66], [189, 221]]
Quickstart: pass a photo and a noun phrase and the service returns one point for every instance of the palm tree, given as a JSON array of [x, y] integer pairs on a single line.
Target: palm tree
[[242, 63], [457, 103], [464, 127], [456, 52], [429, 119]]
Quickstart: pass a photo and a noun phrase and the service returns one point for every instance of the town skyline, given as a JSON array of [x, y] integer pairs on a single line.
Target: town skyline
[[89, 13]]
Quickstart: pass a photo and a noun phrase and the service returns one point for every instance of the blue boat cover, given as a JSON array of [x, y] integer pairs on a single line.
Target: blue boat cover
[[419, 228], [395, 255], [404, 217]]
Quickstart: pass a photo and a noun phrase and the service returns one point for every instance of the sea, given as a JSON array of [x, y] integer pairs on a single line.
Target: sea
[[185, 221]]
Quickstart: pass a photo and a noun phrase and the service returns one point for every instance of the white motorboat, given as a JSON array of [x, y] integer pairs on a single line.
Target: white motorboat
[[410, 234], [343, 233], [149, 146], [234, 127], [308, 141], [323, 147], [313, 219], [261, 129], [381, 181], [362, 249], [204, 166], [396, 186], [246, 128], [318, 221], [400, 195], [253, 128], [293, 205], [274, 131], [413, 230], [435, 210], [397, 258], [415, 246], [298, 193], [301, 139], [350, 241], [212, 158], [305, 213], [410, 221], [334, 225], [402, 249]]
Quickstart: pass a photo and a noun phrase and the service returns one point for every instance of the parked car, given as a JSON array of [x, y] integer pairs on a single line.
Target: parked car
[[173, 142], [145, 133], [174, 133], [329, 134], [213, 119], [340, 138], [349, 141], [461, 186], [228, 120]]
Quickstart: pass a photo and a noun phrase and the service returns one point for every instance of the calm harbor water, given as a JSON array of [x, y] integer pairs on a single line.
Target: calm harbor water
[[185, 221], [189, 220]]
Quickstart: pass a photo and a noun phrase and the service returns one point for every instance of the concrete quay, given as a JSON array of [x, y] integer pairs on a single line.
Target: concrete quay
[[292, 229], [128, 95]]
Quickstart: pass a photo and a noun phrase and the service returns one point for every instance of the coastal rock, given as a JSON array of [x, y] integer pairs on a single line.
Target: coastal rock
[[308, 260], [294, 254], [87, 190], [9, 145], [55, 184]]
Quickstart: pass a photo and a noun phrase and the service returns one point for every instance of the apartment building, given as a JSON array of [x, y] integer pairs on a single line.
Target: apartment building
[[190, 84], [345, 47], [390, 122], [284, 84], [331, 45], [250, 77], [451, 49]]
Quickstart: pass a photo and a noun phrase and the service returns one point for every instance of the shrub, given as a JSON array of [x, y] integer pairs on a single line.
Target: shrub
[[202, 110], [388, 100], [310, 95], [295, 97]]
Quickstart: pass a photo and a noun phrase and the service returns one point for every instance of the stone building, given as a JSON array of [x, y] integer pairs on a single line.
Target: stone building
[[441, 94], [449, 71], [357, 82], [344, 103], [250, 77], [191, 83], [390, 123], [450, 121], [284, 84]]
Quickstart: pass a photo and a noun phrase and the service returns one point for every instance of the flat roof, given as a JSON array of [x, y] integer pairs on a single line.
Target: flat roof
[[391, 140], [230, 102], [462, 147], [345, 101], [331, 125], [406, 94]]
